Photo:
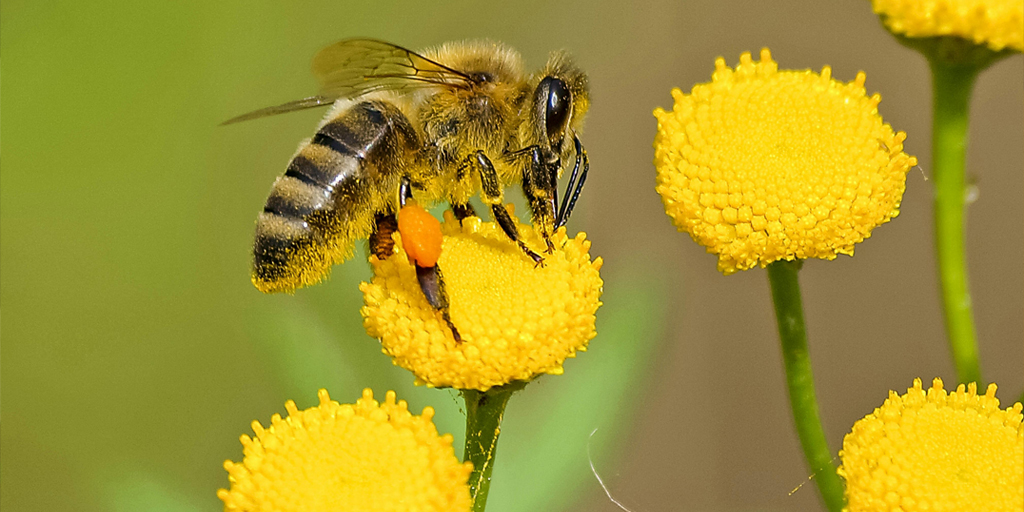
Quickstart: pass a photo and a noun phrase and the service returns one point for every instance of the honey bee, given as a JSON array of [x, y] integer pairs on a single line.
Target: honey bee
[[443, 125]]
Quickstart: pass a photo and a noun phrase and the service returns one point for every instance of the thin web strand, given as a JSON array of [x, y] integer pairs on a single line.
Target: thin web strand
[[593, 470]]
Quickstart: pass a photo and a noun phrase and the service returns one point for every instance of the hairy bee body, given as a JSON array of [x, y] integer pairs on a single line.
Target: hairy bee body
[[456, 121], [329, 193]]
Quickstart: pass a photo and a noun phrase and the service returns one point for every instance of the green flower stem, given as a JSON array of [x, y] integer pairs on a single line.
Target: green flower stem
[[952, 85], [789, 314], [484, 410]]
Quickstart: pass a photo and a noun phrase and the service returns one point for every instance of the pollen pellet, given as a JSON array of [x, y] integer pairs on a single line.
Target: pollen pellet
[[421, 234]]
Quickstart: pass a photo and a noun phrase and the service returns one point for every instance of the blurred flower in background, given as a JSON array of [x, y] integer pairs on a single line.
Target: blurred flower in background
[[997, 24], [354, 457]]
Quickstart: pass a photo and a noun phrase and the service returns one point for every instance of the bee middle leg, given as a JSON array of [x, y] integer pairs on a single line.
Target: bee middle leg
[[491, 193]]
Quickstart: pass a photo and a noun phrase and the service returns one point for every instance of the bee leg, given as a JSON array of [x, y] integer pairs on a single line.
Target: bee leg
[[540, 186], [429, 277], [382, 244], [490, 192], [404, 191], [463, 211], [572, 190], [509, 227], [432, 283]]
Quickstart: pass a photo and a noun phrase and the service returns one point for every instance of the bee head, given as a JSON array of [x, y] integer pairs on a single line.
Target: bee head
[[560, 100]]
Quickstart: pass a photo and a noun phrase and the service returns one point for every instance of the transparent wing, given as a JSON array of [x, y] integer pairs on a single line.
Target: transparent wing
[[291, 106], [353, 67], [357, 66]]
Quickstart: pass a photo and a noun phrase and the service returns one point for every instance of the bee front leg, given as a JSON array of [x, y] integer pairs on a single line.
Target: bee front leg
[[540, 186], [573, 189], [491, 193]]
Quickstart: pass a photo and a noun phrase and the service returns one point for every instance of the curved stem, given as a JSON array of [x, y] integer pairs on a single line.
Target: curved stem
[[789, 314], [952, 85], [484, 411]]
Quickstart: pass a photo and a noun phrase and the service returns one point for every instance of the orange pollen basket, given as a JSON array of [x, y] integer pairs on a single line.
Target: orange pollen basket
[[421, 234]]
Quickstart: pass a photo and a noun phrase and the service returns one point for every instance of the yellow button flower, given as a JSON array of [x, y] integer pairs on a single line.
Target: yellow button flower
[[997, 24], [929, 450], [761, 165], [517, 320], [354, 457]]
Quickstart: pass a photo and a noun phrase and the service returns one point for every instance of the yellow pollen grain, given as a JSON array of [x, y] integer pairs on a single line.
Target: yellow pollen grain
[[760, 164], [517, 320], [929, 450]]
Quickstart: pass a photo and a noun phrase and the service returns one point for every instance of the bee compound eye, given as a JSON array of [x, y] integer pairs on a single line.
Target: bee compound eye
[[558, 105]]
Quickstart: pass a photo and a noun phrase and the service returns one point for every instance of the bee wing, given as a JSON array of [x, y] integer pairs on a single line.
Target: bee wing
[[354, 67], [291, 106]]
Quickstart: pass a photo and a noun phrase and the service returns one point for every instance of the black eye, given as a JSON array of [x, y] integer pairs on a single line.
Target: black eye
[[558, 106]]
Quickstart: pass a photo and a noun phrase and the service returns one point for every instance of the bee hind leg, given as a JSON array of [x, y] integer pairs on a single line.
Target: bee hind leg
[[430, 279], [432, 283]]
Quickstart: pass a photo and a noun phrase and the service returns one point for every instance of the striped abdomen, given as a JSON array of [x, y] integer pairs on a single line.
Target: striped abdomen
[[327, 198]]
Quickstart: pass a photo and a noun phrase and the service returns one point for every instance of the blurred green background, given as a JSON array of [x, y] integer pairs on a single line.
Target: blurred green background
[[135, 351]]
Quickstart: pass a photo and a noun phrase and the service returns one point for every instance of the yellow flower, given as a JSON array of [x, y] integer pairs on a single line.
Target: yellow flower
[[354, 457], [928, 450], [761, 165], [517, 320], [997, 24]]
